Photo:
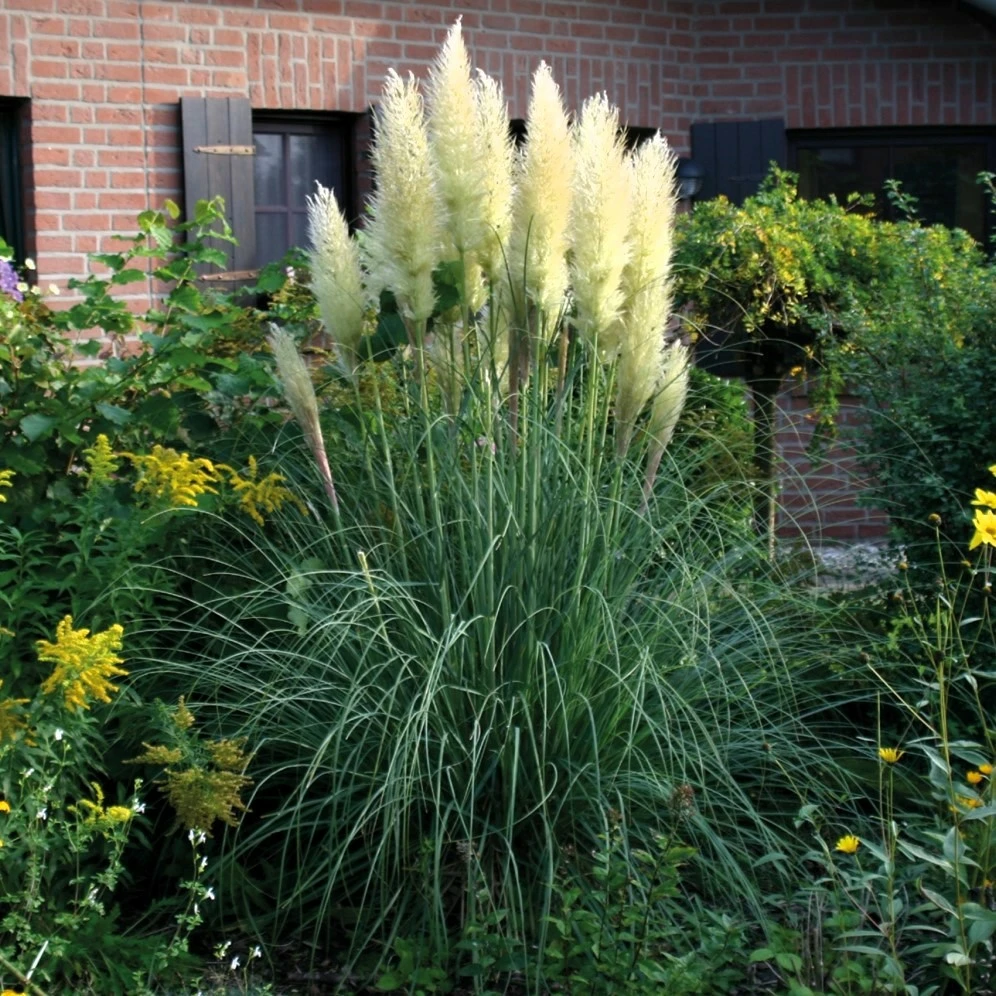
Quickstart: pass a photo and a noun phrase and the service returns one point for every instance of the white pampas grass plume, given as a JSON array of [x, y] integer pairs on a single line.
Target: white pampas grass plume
[[300, 394], [402, 238], [336, 279], [600, 212], [451, 115], [668, 403], [497, 150], [541, 204], [646, 282]]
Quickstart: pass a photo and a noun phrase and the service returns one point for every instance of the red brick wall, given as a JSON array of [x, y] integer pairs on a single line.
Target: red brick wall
[[845, 63], [819, 501]]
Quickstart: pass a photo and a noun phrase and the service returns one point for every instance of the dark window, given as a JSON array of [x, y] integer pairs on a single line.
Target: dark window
[[11, 176], [291, 154], [937, 166]]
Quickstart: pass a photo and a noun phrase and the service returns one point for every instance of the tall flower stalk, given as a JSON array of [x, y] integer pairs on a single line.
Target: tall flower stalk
[[336, 278]]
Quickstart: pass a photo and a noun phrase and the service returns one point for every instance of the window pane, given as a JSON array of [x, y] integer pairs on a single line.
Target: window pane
[[271, 235], [943, 178], [271, 183], [940, 175], [299, 222], [303, 168]]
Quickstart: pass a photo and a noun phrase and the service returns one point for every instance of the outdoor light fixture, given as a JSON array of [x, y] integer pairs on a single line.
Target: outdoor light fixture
[[690, 177]]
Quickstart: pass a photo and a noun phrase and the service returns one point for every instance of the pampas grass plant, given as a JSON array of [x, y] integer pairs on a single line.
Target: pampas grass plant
[[513, 634]]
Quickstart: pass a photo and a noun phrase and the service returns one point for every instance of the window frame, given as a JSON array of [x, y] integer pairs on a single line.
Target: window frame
[[16, 110], [317, 123], [895, 137]]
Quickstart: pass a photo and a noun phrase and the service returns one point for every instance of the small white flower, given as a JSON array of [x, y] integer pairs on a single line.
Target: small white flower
[[257, 952], [203, 864], [53, 289], [28, 772], [209, 893], [48, 788], [138, 807], [235, 964], [197, 909], [220, 950], [59, 733], [43, 813], [202, 837], [29, 263], [190, 836]]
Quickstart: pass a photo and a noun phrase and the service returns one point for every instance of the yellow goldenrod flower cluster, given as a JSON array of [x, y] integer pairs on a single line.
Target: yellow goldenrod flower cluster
[[175, 478], [984, 520], [101, 464], [94, 812], [203, 779], [84, 664], [11, 720], [6, 481], [261, 494]]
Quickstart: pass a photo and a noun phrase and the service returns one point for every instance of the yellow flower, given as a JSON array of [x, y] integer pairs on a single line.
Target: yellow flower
[[890, 754], [986, 769], [848, 844], [987, 499], [118, 814], [985, 529], [258, 495], [4, 806], [174, 477], [974, 777], [970, 802], [100, 462], [83, 663], [6, 481], [10, 722]]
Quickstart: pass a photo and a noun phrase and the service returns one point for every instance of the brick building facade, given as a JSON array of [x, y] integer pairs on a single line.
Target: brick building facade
[[92, 88]]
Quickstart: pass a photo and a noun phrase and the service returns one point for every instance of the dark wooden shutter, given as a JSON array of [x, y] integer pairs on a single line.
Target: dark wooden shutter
[[736, 155], [224, 125]]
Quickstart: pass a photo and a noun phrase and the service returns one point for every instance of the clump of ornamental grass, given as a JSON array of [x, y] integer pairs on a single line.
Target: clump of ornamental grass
[[512, 632]]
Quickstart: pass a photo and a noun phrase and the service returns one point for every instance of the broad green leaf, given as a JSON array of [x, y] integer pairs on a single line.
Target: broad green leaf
[[36, 425]]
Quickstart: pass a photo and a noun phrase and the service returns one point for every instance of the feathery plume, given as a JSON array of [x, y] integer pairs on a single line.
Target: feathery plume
[[669, 400], [646, 283], [497, 152], [599, 217], [336, 279], [402, 238], [451, 116], [300, 394], [542, 200]]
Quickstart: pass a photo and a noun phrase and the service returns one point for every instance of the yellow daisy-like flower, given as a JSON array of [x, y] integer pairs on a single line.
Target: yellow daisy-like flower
[[985, 529], [987, 499], [890, 755], [176, 478], [974, 777], [83, 663], [100, 462], [4, 806], [258, 495], [6, 481], [986, 769], [848, 844]]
